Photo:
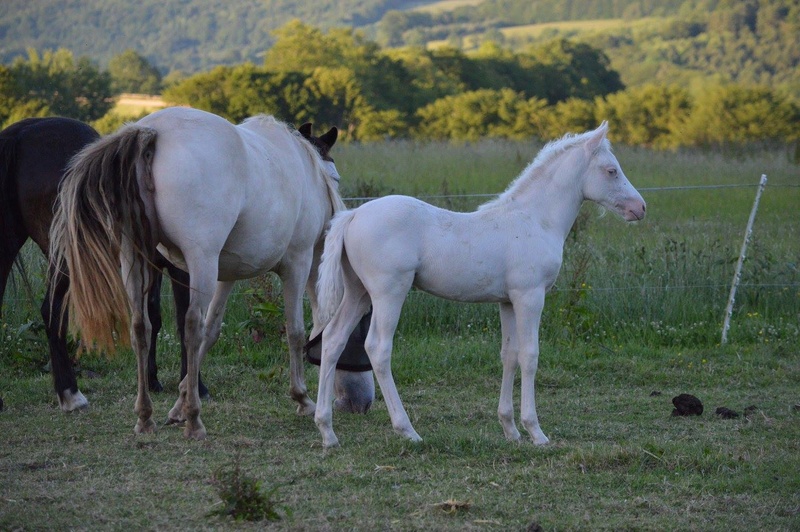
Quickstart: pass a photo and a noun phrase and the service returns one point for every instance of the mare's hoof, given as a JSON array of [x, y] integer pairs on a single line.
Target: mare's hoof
[[155, 386], [173, 421], [146, 427], [195, 434], [542, 440], [306, 409]]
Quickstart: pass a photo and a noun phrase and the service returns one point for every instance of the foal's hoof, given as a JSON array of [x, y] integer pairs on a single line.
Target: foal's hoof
[[540, 439], [330, 444], [410, 434], [155, 386]]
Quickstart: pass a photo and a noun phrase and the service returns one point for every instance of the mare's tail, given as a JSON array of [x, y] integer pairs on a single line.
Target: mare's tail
[[105, 196], [330, 284]]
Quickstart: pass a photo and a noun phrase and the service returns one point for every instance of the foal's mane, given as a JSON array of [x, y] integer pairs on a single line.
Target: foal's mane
[[269, 122], [547, 155]]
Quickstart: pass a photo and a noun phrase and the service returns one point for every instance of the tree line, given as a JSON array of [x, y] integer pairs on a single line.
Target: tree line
[[342, 78]]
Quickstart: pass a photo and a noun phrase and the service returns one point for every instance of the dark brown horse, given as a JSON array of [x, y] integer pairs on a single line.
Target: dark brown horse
[[33, 156]]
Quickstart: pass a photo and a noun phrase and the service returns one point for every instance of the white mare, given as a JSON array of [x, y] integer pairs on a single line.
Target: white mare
[[222, 202], [509, 252]]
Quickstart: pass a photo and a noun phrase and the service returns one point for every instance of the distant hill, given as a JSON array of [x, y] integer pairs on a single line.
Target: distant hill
[[663, 41], [186, 35]]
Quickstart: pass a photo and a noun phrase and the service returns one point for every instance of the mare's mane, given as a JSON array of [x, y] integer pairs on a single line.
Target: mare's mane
[[269, 123], [547, 155]]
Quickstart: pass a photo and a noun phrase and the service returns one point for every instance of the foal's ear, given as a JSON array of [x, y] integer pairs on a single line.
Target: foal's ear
[[305, 130], [596, 138], [330, 137]]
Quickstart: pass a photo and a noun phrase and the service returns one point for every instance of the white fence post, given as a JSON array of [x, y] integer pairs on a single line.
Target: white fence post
[[738, 273]]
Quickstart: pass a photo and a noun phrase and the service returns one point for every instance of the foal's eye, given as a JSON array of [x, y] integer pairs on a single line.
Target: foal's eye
[[612, 172]]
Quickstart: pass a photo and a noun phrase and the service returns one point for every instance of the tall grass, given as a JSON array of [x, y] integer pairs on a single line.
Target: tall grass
[[663, 281]]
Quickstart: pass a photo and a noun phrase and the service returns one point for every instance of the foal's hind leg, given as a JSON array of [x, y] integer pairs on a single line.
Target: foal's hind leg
[[334, 338], [508, 354], [385, 315]]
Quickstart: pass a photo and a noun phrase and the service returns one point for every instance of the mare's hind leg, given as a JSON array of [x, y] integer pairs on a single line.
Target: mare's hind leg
[[385, 315], [180, 293], [528, 315], [211, 331], [334, 338], [69, 396], [137, 274], [508, 354], [294, 276]]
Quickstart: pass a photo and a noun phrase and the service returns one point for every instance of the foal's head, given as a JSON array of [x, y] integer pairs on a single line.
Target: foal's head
[[605, 183]]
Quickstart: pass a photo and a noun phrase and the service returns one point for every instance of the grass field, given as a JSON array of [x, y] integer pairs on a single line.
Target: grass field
[[634, 320]]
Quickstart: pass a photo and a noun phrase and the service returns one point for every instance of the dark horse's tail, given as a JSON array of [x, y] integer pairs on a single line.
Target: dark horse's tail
[[102, 209]]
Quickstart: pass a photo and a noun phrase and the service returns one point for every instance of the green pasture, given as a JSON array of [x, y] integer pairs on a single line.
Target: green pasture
[[634, 320]]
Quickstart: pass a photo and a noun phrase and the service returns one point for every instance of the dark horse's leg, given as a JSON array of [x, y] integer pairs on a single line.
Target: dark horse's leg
[[66, 385], [180, 292], [154, 312], [9, 247]]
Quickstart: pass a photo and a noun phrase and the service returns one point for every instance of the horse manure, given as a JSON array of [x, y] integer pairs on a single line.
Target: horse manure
[[687, 405], [726, 413], [655, 393], [752, 409]]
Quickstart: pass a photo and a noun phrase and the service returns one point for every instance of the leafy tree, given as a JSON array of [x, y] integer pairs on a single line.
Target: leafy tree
[[576, 70], [650, 115], [54, 83], [131, 72], [571, 115], [735, 114], [482, 113]]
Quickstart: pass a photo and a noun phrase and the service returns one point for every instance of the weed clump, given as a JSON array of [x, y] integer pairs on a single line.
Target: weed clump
[[242, 497]]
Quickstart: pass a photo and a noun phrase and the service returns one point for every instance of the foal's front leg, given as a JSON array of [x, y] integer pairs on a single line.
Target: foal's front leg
[[528, 317], [509, 353], [385, 315]]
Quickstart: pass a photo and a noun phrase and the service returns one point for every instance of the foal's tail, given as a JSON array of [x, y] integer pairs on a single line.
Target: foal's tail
[[330, 284], [104, 197]]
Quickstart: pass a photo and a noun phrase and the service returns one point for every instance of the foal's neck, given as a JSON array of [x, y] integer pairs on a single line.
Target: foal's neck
[[555, 194]]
